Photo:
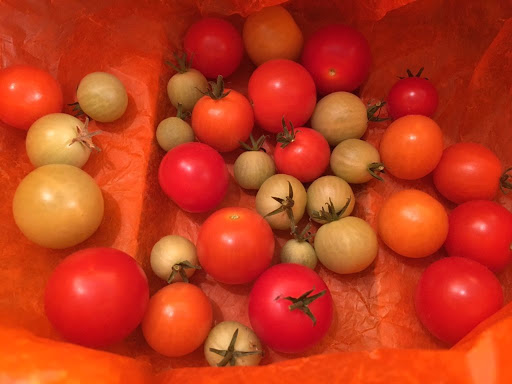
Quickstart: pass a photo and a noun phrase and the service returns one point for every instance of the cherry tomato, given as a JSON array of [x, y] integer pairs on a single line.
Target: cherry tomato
[[412, 96], [468, 171], [411, 147], [290, 308], [280, 88], [26, 94], [215, 47], [194, 176], [481, 230], [235, 245], [454, 295], [96, 296], [303, 153], [178, 319], [412, 223], [338, 57]]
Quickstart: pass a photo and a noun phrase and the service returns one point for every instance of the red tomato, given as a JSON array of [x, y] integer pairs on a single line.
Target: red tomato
[[454, 295], [338, 57], [235, 245], [412, 96], [96, 296], [178, 319], [26, 94], [305, 156], [194, 176], [215, 46], [468, 171], [280, 88], [273, 316], [481, 230]]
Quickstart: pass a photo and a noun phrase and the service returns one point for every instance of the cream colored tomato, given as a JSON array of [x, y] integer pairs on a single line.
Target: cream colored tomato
[[356, 161], [186, 88], [252, 168], [172, 254], [327, 189], [172, 132]]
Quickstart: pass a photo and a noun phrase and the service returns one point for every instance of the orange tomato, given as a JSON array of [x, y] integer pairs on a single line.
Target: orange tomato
[[177, 320], [411, 147], [272, 34], [413, 224]]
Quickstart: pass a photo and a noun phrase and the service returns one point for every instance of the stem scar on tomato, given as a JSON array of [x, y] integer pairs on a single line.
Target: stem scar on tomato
[[231, 354], [84, 137], [301, 303], [286, 205], [180, 268]]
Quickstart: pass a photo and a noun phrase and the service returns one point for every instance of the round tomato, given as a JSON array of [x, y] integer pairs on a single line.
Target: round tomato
[[235, 245], [96, 296], [302, 152], [468, 171], [273, 24], [214, 46], [481, 230], [178, 319], [413, 224], [281, 88], [194, 176], [454, 295], [411, 147], [290, 308], [26, 94], [223, 118], [338, 57]]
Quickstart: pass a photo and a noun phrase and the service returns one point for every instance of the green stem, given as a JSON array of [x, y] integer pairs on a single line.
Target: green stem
[[302, 303]]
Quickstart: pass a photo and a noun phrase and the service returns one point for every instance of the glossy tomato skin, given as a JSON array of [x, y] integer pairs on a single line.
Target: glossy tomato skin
[[280, 88], [194, 176], [223, 123], [26, 94], [235, 245], [215, 46], [96, 296], [412, 96], [178, 319], [306, 157], [468, 171], [481, 230], [338, 57], [454, 295], [282, 329]]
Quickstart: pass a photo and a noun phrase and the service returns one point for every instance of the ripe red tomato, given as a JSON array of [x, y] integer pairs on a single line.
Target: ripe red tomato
[[278, 318], [194, 176], [215, 46], [178, 319], [26, 94], [235, 245], [468, 171], [338, 57], [454, 295], [412, 96], [96, 296], [280, 88], [305, 155], [481, 230]]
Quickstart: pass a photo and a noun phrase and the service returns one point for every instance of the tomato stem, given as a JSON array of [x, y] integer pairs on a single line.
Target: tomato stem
[[255, 145], [182, 64], [216, 89], [301, 303], [303, 236], [330, 214], [286, 205], [230, 355], [505, 184], [374, 169], [376, 109], [287, 136], [77, 109], [180, 114], [180, 268], [410, 74], [84, 137]]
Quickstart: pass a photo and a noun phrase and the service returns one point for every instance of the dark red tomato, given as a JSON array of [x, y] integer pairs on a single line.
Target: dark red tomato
[[96, 296], [338, 57], [275, 306], [235, 245], [26, 94], [280, 88], [194, 176], [305, 155], [468, 171], [454, 295], [215, 46], [412, 96], [481, 230]]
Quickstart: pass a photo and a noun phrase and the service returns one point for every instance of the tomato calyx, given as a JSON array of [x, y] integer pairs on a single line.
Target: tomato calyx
[[301, 303], [231, 354], [330, 214], [286, 205], [303, 236], [374, 169], [287, 136], [76, 109], [256, 145], [84, 137], [505, 184], [216, 89], [180, 268], [180, 114], [182, 64], [373, 112], [410, 74]]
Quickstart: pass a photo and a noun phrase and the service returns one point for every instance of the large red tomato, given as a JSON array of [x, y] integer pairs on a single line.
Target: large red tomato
[[454, 295], [96, 297], [26, 94], [281, 88], [338, 57], [290, 308], [235, 245], [194, 176], [481, 230]]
